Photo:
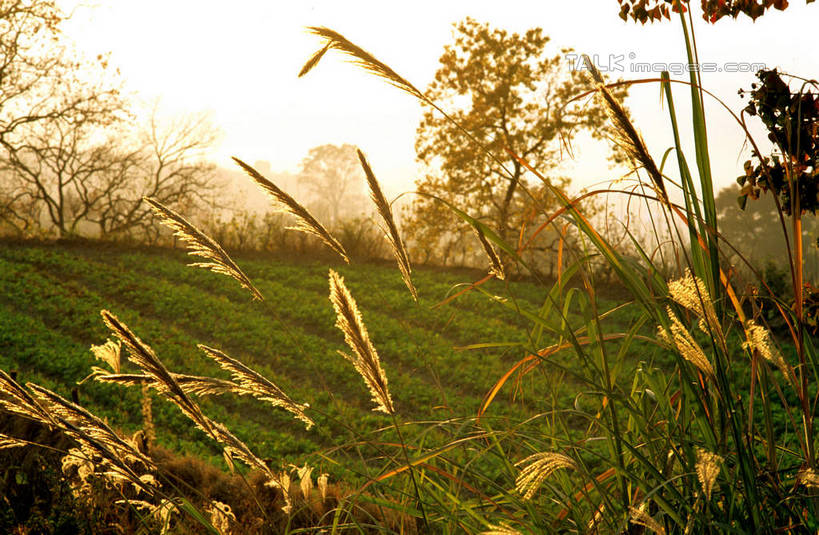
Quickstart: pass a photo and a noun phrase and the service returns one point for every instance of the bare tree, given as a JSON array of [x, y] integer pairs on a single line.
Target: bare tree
[[335, 178], [41, 79], [84, 177], [46, 93], [171, 168]]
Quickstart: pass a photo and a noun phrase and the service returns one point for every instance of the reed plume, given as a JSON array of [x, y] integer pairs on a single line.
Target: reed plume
[[540, 466], [501, 529], [109, 353], [390, 229], [305, 220], [359, 56], [808, 477], [707, 468], [8, 442], [365, 357], [690, 292], [497, 266], [640, 517], [112, 458], [192, 384], [759, 339], [144, 357], [200, 244], [681, 339], [250, 382], [221, 517], [95, 438], [624, 133], [17, 400]]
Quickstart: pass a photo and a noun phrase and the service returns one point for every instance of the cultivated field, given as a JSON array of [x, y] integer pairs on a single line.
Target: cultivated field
[[50, 318]]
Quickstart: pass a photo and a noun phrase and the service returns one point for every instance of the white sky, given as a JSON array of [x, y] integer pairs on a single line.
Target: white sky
[[240, 59]]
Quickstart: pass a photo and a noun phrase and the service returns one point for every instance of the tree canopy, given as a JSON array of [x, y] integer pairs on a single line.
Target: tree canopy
[[510, 96]]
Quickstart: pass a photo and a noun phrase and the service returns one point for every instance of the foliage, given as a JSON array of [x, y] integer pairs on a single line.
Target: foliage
[[792, 121], [756, 233], [712, 10], [501, 90]]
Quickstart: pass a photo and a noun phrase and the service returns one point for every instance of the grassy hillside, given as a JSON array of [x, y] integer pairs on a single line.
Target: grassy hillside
[[49, 318]]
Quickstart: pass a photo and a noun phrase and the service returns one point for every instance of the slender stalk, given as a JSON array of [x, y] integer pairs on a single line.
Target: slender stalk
[[411, 471]]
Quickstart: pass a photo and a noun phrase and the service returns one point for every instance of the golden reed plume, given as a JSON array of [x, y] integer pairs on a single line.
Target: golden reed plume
[[249, 382], [164, 381], [360, 57], [202, 245], [624, 134], [305, 220], [364, 357], [390, 229], [497, 266], [539, 467]]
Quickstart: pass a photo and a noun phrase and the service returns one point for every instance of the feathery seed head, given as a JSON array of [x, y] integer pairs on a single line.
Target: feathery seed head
[[143, 356], [539, 467], [623, 132], [496, 268], [808, 477], [358, 56], [759, 339], [221, 517], [501, 529], [364, 357], [305, 222], [7, 442], [686, 345], [640, 517], [109, 353], [305, 481], [321, 481], [707, 467], [390, 229], [690, 292], [200, 244], [250, 382]]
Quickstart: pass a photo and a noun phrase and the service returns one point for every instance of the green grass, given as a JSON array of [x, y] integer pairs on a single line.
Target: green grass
[[49, 318]]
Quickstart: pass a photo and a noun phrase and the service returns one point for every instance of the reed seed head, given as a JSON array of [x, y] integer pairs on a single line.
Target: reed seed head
[[250, 382], [707, 467], [501, 529], [640, 517], [389, 228], [539, 467], [305, 222], [200, 244], [759, 339], [691, 293], [364, 356], [681, 339]]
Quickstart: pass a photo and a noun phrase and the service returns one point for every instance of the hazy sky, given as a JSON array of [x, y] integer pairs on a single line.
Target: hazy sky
[[240, 59]]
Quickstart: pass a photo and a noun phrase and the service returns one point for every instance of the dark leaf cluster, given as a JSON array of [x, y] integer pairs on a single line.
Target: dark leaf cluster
[[811, 309], [792, 122], [650, 10], [712, 10]]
